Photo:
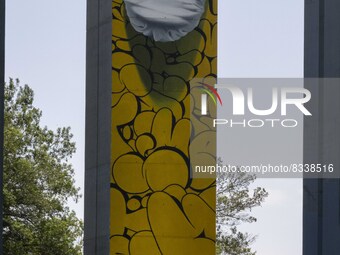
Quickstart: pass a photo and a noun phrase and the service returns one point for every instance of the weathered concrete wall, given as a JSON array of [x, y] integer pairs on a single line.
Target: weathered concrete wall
[[321, 216], [2, 79], [98, 123]]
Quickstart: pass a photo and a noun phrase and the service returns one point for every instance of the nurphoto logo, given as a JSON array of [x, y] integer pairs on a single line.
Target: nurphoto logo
[[242, 101]]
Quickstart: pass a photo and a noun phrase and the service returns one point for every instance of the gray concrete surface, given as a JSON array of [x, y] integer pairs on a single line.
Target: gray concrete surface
[[321, 215], [2, 80], [98, 124]]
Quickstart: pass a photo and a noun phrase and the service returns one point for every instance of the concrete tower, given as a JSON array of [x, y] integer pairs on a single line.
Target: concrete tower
[[141, 134], [2, 82], [321, 214]]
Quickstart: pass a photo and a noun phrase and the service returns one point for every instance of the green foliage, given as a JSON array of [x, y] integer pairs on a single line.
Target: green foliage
[[234, 203], [38, 181]]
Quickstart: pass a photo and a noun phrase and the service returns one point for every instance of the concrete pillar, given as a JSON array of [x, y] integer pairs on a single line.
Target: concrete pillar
[[157, 207], [140, 195], [98, 123], [321, 215], [2, 81]]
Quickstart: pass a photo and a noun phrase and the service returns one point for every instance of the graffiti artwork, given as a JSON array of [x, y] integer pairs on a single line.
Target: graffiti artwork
[[157, 207]]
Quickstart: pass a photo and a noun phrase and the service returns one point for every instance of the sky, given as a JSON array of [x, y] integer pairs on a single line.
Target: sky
[[45, 48], [264, 39]]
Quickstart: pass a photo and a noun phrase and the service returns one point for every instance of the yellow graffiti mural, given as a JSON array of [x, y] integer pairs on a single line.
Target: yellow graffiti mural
[[157, 207]]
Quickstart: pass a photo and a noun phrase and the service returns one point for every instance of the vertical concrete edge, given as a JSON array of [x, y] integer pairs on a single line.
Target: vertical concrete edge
[[98, 125], [321, 214], [2, 82], [312, 57]]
